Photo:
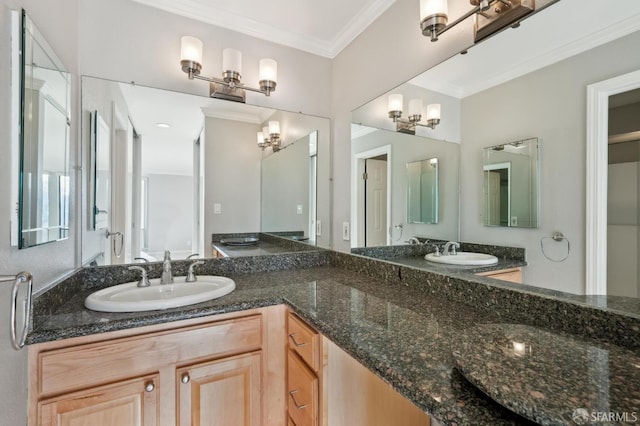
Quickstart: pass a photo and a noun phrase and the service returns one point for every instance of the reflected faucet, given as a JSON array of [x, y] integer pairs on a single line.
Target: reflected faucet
[[450, 248], [414, 240], [167, 275]]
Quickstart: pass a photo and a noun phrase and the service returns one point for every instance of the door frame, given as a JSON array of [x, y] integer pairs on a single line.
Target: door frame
[[502, 166], [597, 176], [357, 205]]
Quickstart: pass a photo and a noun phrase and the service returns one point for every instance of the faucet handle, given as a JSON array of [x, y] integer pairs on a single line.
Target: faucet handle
[[437, 253], [144, 280], [191, 276]]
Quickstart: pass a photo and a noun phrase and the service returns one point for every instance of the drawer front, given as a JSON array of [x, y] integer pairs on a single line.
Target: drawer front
[[302, 392], [304, 340], [105, 362], [514, 275]]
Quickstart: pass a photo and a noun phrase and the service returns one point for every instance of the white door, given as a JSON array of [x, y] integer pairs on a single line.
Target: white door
[[492, 192], [376, 203]]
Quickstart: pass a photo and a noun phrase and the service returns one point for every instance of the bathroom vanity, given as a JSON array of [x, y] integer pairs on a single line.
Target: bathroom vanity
[[309, 331]]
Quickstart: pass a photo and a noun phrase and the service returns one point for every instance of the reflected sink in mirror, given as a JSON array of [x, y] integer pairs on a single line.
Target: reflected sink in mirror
[[463, 258], [128, 297]]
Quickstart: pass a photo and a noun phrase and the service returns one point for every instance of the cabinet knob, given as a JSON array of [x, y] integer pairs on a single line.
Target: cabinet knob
[[185, 378], [293, 398], [149, 387], [293, 339]]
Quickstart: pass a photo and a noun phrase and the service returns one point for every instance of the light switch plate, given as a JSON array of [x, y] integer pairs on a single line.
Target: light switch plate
[[217, 208], [299, 209], [318, 227], [346, 234]]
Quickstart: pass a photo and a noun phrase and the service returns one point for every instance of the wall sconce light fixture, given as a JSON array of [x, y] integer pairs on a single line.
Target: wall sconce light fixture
[[395, 105], [270, 136], [490, 16], [229, 87]]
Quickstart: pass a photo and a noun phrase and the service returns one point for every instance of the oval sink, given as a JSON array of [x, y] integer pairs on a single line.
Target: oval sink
[[129, 297], [464, 258]]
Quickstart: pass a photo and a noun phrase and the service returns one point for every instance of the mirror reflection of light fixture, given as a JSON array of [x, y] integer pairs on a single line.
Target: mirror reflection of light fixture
[[414, 118], [229, 87], [490, 16], [270, 136]]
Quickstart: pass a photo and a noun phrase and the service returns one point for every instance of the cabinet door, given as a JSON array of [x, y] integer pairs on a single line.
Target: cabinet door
[[222, 392], [132, 402]]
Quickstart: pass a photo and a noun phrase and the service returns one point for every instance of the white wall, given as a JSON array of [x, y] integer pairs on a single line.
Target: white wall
[[170, 213], [549, 104], [231, 177]]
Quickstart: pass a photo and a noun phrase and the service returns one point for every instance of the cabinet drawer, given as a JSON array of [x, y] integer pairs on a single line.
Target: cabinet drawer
[[302, 392], [304, 340], [65, 369]]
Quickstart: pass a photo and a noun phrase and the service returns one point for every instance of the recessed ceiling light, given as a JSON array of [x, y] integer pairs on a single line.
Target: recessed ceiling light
[[163, 125]]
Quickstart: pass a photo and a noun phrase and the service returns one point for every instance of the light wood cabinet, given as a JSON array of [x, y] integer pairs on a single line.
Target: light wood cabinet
[[133, 402], [513, 275], [221, 392], [224, 370], [303, 372], [355, 396]]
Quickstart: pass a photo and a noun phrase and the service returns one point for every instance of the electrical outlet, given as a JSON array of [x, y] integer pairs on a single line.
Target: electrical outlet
[[346, 234], [514, 220], [318, 227], [299, 209], [217, 208]]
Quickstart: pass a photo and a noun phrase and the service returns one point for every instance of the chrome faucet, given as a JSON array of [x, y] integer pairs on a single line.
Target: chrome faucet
[[450, 248], [414, 240], [167, 275]]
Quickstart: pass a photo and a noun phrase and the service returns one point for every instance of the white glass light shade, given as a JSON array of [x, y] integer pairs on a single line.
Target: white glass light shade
[[191, 49], [433, 7], [265, 132], [395, 102], [232, 60], [274, 127], [433, 112], [268, 70], [260, 137], [415, 107]]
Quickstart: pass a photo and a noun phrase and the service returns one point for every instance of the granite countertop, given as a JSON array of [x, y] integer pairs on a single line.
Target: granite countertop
[[259, 249], [404, 335], [442, 268]]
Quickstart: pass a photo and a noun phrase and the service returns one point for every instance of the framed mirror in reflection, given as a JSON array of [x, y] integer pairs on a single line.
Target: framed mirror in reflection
[[185, 167], [511, 184], [422, 191], [44, 141], [289, 182]]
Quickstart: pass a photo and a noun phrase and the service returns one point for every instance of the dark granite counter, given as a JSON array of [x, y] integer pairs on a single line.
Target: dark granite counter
[[400, 322], [442, 268], [268, 244]]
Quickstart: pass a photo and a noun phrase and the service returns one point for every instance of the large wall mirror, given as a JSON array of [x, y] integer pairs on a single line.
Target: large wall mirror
[[44, 141], [422, 191], [184, 167], [524, 82]]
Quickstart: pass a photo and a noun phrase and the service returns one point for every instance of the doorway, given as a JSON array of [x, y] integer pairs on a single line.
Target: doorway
[[372, 184], [598, 95], [623, 190]]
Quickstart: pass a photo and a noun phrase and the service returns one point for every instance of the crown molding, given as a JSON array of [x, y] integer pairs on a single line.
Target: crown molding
[[200, 11], [593, 40], [232, 115]]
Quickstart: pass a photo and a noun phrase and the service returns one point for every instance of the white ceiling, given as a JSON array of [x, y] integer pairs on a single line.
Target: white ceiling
[[564, 29], [322, 27], [170, 150]]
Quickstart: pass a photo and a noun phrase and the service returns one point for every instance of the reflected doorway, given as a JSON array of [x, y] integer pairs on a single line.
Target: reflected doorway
[[373, 173]]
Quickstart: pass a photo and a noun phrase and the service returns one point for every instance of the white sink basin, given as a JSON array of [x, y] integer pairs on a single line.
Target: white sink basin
[[129, 297], [464, 258]]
